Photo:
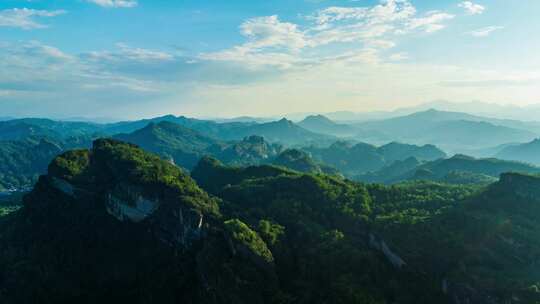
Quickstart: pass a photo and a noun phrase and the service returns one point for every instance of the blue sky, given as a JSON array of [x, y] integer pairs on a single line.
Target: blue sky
[[139, 58]]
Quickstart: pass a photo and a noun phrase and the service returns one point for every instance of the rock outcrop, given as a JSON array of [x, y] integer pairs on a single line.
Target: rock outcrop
[[522, 185], [380, 245]]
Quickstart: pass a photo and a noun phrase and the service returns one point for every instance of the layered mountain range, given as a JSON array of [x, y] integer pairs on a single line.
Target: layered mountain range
[[116, 223], [345, 148]]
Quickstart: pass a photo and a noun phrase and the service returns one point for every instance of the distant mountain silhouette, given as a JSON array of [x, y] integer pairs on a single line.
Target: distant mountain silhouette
[[457, 169], [352, 159], [451, 131], [282, 131], [322, 124], [528, 152]]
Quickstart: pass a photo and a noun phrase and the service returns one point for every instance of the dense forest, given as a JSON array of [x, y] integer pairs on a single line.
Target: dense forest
[[263, 234], [184, 210]]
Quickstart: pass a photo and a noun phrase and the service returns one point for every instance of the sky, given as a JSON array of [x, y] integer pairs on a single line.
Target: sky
[[210, 58]]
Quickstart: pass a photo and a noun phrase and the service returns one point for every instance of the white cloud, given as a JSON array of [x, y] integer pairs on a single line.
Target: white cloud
[[431, 22], [351, 30], [40, 79], [398, 56], [484, 32], [381, 44], [25, 18], [472, 8], [386, 11], [254, 59], [270, 42], [127, 53], [37, 78], [269, 31], [350, 24], [115, 3], [356, 49]]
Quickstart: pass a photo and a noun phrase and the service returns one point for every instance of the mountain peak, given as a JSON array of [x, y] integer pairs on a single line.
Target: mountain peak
[[318, 119], [285, 121], [117, 169]]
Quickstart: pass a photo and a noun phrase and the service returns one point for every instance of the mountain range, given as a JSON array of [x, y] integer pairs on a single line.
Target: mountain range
[[262, 234], [458, 169], [526, 152], [452, 131], [353, 159], [323, 125], [185, 146], [529, 113], [353, 149]]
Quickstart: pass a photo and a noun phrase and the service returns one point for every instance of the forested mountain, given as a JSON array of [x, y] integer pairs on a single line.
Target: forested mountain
[[172, 141], [508, 113], [24, 159], [392, 173], [527, 152], [206, 127], [248, 151], [36, 127], [451, 131], [281, 131], [301, 161], [263, 235], [460, 169], [489, 166], [21, 162], [185, 140], [352, 159], [399, 151], [322, 124], [474, 134], [185, 146]]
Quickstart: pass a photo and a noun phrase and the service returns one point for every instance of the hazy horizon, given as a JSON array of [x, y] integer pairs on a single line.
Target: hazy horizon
[[215, 59], [526, 113]]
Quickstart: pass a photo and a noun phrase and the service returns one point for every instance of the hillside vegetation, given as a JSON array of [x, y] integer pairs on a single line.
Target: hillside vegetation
[[263, 234], [459, 169]]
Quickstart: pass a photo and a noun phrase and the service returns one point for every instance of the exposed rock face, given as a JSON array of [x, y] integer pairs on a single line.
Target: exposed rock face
[[127, 203], [135, 211], [63, 185], [524, 186], [174, 224], [380, 245], [180, 228], [168, 210]]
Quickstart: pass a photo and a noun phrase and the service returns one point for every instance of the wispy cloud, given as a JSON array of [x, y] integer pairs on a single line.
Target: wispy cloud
[[485, 31], [127, 53], [472, 8], [366, 53], [491, 83], [269, 31], [115, 3], [38, 78], [399, 56], [270, 42], [432, 22], [25, 18], [362, 31]]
